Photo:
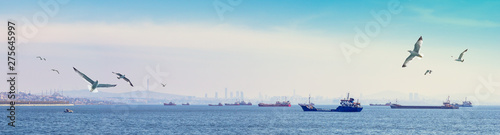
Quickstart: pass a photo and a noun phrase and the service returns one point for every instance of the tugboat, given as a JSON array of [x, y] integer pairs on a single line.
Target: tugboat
[[169, 104], [346, 105], [68, 110], [220, 104]]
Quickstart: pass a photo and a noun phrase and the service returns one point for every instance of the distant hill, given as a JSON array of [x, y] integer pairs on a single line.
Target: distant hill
[[133, 94]]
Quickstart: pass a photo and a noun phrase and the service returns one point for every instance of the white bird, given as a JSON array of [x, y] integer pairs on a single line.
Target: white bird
[[120, 76], [460, 57], [56, 70], [415, 51], [94, 84], [428, 71]]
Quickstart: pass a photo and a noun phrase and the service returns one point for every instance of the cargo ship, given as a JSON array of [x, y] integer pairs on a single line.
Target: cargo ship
[[220, 104], [446, 105], [386, 104], [235, 104], [169, 104], [277, 104], [346, 105], [185, 104], [244, 103], [464, 103]]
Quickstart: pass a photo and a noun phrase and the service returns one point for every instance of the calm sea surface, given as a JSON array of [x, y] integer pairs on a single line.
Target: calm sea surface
[[197, 119]]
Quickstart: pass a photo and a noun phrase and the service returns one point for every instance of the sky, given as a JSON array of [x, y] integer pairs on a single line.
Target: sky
[[323, 48]]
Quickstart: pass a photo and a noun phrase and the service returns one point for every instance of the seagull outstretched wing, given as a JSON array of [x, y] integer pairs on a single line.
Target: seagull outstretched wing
[[408, 60], [126, 79], [462, 54], [84, 76], [106, 85], [417, 45], [117, 74]]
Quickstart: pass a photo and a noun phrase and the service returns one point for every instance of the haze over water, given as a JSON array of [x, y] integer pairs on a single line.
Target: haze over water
[[197, 119]]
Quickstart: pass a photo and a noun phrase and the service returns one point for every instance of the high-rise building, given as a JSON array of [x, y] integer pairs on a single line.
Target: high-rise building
[[242, 97], [237, 94], [216, 96], [231, 94], [225, 94]]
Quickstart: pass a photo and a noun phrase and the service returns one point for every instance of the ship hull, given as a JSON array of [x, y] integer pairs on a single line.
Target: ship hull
[[307, 108], [272, 105], [423, 107]]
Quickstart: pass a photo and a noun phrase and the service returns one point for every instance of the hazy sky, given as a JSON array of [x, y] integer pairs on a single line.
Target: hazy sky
[[259, 46]]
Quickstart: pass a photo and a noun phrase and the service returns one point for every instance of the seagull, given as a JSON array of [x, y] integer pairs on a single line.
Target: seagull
[[164, 85], [428, 71], [460, 57], [415, 51], [56, 70], [94, 84], [41, 58], [124, 78]]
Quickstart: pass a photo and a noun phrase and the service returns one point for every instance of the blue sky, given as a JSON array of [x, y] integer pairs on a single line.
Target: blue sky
[[269, 47]]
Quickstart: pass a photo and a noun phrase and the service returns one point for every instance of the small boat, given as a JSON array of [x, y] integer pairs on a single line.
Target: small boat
[[220, 104], [185, 104], [68, 111]]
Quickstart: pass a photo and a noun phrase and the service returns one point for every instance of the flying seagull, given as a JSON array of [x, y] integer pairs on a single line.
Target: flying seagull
[[120, 76], [460, 57], [428, 71], [40, 58], [56, 70], [415, 51], [94, 84], [164, 85]]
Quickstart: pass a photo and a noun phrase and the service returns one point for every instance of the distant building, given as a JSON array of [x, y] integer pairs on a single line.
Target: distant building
[[237, 94], [225, 94], [242, 97], [231, 94], [206, 95], [216, 95]]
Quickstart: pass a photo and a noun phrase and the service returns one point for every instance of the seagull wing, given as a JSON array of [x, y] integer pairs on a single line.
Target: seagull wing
[[408, 60], [426, 72], [117, 74], [106, 85], [462, 54], [126, 79], [84, 76], [417, 45]]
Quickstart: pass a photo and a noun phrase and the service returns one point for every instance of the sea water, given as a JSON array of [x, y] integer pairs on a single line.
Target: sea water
[[203, 119]]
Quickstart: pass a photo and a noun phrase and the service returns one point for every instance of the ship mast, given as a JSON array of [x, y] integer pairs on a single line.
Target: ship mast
[[309, 99]]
